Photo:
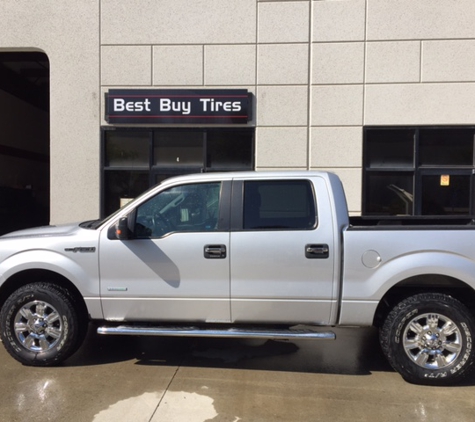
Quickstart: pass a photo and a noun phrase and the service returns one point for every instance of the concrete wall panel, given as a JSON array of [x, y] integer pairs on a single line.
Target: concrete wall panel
[[126, 65], [274, 146], [338, 63], [282, 64], [178, 65], [178, 21], [336, 147], [282, 106], [339, 20], [230, 65], [335, 105], [448, 61], [420, 104], [393, 62], [422, 19], [283, 22]]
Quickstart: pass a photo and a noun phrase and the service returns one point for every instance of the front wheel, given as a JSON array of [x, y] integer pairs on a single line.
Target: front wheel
[[428, 339], [40, 325]]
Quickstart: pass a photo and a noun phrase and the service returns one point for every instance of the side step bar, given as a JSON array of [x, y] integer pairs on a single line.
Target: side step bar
[[264, 333]]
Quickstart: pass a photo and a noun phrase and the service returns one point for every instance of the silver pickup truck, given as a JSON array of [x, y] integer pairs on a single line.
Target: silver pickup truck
[[266, 255]]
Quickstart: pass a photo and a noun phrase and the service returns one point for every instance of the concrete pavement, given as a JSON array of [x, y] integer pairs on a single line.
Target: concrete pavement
[[197, 380]]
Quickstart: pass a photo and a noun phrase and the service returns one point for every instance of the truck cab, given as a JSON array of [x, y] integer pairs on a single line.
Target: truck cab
[[212, 239]]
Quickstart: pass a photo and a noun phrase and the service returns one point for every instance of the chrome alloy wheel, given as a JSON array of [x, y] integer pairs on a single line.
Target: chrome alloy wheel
[[38, 326], [432, 341]]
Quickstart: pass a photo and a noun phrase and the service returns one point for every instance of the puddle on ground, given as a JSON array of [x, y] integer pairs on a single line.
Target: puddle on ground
[[172, 406]]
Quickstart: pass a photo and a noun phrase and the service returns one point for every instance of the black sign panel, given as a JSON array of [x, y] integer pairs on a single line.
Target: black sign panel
[[173, 106]]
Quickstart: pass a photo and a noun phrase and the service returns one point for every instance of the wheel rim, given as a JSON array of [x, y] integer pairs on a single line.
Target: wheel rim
[[432, 341], [38, 326]]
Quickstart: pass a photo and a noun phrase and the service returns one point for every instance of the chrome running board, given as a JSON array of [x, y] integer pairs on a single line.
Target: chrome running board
[[271, 333]]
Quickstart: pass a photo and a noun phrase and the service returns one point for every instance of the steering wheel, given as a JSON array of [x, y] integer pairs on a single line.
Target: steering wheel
[[161, 225]]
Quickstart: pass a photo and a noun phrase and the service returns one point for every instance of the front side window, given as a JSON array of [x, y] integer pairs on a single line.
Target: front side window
[[186, 208], [279, 205]]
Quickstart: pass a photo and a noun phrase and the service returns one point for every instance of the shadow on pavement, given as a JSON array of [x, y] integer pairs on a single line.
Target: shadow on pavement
[[355, 352]]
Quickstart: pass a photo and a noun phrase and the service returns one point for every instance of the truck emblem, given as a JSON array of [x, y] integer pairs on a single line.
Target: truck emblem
[[81, 249]]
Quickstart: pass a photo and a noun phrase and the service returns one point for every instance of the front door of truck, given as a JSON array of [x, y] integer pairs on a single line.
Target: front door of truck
[[175, 265], [282, 252]]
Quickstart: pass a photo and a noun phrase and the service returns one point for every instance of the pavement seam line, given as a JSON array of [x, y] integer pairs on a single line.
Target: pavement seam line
[[164, 393]]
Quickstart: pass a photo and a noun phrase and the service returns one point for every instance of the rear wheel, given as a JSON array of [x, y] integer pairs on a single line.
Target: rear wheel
[[428, 339], [40, 325]]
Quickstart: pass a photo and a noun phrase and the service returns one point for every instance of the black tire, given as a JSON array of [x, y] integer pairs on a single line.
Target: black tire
[[428, 339], [40, 325]]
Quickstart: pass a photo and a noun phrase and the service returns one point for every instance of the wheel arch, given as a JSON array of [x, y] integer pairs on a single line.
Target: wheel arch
[[427, 283], [30, 276]]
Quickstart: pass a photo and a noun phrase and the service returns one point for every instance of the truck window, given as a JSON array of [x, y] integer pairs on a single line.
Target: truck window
[[190, 208], [279, 204]]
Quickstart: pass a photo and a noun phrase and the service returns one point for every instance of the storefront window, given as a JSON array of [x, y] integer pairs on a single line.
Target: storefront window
[[121, 187], [127, 149], [389, 148], [178, 149], [135, 160], [418, 171], [228, 150], [389, 193], [446, 147]]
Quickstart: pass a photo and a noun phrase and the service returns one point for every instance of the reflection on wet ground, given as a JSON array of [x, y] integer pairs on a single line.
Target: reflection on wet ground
[[184, 379]]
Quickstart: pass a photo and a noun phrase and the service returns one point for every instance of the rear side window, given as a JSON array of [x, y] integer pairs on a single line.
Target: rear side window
[[279, 205]]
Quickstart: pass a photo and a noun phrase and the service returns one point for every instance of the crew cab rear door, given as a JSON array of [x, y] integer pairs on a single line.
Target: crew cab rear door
[[282, 251]]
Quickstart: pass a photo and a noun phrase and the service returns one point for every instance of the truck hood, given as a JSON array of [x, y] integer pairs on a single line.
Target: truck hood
[[45, 231]]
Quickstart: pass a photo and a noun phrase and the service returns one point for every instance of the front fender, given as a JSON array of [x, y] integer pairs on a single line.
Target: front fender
[[80, 269]]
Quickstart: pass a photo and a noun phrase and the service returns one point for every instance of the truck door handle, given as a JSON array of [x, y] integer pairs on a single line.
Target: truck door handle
[[215, 251], [319, 251]]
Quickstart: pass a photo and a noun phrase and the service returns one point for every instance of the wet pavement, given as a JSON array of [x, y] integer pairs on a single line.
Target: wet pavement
[[184, 379]]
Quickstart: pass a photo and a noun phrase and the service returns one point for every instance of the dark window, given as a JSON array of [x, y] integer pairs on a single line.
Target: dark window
[[127, 149], [449, 197], [389, 193], [122, 186], [228, 150], [134, 160], [389, 148], [418, 171], [178, 149], [446, 147], [279, 205], [187, 208]]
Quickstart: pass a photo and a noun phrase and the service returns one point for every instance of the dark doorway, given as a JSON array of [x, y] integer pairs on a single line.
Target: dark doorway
[[24, 140]]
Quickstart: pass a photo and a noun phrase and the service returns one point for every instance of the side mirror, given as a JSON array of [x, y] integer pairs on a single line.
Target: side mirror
[[122, 229]]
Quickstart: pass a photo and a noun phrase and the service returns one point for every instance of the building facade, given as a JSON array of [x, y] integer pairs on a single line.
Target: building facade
[[380, 92]]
